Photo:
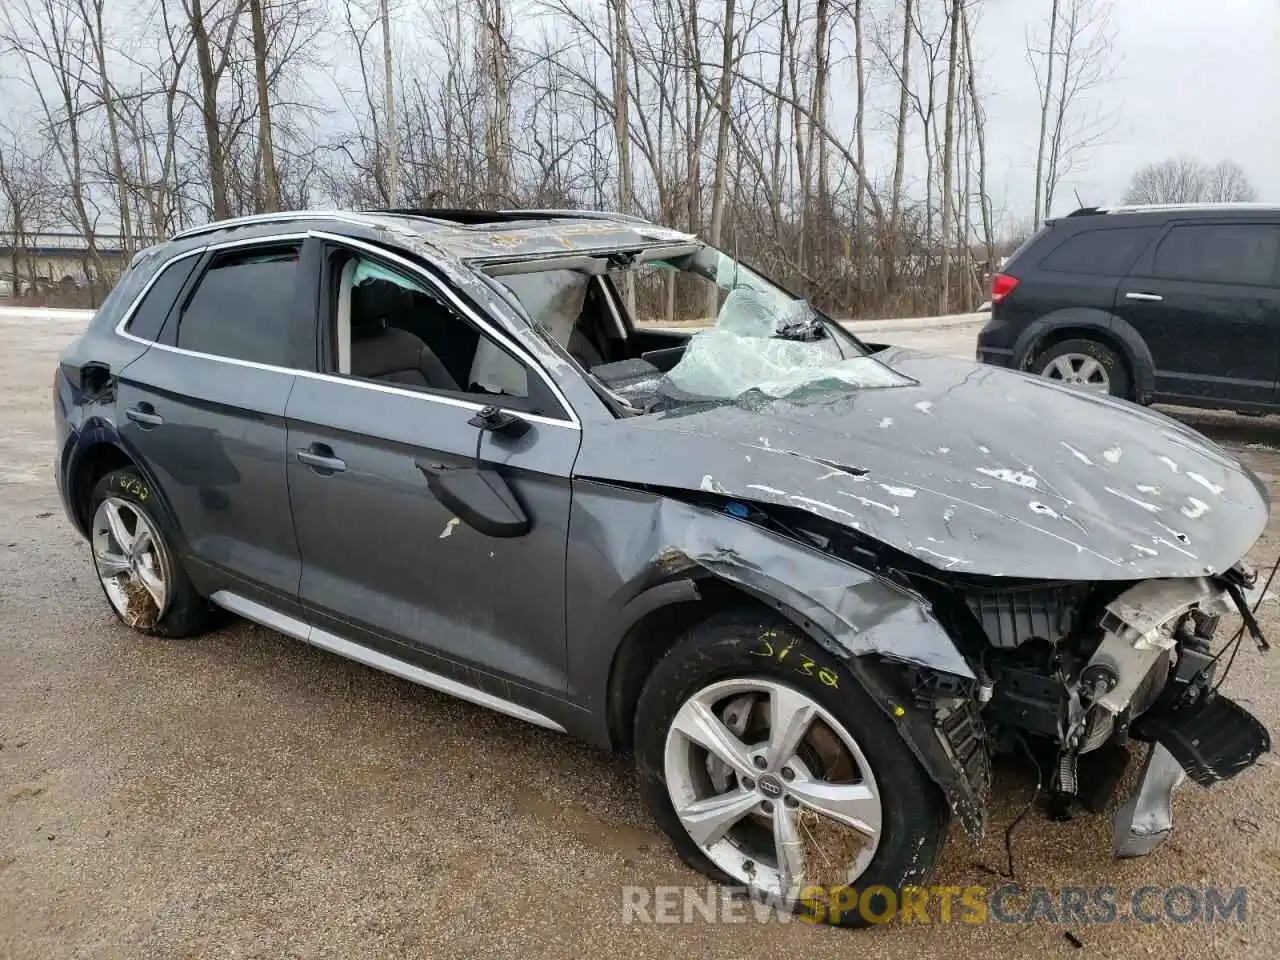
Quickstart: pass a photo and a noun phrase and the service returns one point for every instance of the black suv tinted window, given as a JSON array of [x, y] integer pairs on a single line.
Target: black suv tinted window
[[149, 317], [1219, 253], [1098, 251], [242, 306]]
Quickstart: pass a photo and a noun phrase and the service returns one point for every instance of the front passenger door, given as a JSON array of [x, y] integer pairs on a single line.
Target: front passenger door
[[387, 565]]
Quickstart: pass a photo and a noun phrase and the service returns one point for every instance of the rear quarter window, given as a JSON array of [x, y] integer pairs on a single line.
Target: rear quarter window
[[1098, 252], [126, 289], [150, 314]]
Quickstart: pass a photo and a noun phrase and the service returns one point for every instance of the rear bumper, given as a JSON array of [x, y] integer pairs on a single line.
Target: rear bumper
[[996, 356]]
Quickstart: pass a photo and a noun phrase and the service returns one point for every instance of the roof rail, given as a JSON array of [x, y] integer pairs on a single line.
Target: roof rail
[[1189, 207], [471, 216], [282, 216], [1086, 211]]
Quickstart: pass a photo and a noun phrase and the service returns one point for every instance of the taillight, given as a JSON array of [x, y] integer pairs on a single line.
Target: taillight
[[1002, 284]]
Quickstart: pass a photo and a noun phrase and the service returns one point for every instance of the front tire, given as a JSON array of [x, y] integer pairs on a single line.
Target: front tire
[[132, 540], [769, 767]]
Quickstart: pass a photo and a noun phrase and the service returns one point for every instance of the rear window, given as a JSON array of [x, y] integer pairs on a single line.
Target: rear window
[[1099, 252], [242, 307], [1220, 253]]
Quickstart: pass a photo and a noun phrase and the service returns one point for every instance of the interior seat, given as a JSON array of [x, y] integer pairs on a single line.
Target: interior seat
[[381, 351]]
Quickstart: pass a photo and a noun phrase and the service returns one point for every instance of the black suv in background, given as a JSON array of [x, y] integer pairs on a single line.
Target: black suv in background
[[1164, 304]]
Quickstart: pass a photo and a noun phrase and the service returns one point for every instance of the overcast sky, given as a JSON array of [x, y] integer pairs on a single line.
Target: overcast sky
[[1200, 77], [1197, 77]]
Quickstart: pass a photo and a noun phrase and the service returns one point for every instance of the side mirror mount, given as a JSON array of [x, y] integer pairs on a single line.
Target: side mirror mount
[[480, 498]]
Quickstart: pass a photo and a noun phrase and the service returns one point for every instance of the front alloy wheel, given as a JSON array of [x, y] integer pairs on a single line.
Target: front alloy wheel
[[770, 768], [771, 787]]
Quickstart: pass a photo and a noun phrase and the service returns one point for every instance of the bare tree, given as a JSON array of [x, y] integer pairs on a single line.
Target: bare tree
[[389, 99], [948, 155], [213, 30], [24, 198], [979, 121], [1187, 179], [266, 149], [1228, 183], [1081, 57], [900, 144], [1046, 96], [723, 108]]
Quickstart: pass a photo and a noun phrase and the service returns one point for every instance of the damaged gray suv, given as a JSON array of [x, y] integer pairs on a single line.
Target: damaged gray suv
[[813, 584]]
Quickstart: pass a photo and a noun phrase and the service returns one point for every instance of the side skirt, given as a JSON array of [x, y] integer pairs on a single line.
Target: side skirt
[[306, 632]]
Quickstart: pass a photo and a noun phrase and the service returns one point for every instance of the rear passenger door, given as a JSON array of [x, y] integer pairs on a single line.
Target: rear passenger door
[[1205, 299], [204, 406]]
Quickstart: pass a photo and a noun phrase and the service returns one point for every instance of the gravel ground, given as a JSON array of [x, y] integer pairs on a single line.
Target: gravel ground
[[244, 795]]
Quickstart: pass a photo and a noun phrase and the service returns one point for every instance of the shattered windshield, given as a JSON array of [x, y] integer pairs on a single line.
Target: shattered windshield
[[707, 329], [762, 339]]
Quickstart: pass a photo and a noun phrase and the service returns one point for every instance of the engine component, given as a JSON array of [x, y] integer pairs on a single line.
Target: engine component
[[1012, 617], [1130, 667], [1028, 699]]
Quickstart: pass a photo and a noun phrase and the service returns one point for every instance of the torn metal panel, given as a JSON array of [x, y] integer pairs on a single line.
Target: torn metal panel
[[958, 469], [642, 537], [1146, 819], [525, 238]]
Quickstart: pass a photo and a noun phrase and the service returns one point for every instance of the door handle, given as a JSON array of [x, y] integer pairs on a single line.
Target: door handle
[[1148, 297], [145, 415], [320, 458]]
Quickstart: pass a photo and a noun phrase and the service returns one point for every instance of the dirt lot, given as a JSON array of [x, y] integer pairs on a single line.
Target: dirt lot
[[244, 795]]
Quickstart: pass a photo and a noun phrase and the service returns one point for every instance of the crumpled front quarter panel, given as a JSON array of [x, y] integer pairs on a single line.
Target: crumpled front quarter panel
[[623, 542]]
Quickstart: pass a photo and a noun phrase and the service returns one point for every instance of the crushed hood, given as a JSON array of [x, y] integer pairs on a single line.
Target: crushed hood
[[970, 468]]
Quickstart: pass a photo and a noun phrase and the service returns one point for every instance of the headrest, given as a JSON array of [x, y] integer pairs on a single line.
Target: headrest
[[374, 302]]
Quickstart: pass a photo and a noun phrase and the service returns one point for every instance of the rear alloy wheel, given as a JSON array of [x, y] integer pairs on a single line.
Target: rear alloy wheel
[[771, 769], [132, 563], [132, 539], [1087, 364]]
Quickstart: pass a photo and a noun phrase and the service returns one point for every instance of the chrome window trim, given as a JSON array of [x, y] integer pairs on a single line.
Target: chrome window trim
[[573, 423], [325, 640]]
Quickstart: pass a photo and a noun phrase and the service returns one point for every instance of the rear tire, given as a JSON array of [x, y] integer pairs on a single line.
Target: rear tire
[[132, 541], [1086, 363], [848, 757]]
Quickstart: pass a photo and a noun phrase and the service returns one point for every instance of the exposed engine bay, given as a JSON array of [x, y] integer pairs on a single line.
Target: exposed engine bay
[[1081, 669]]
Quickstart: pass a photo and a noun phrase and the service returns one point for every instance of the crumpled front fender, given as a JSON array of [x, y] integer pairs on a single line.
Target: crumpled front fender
[[884, 633]]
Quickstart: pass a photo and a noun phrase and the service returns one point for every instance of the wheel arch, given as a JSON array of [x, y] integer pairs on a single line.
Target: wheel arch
[[1089, 324], [653, 622], [89, 464], [953, 751]]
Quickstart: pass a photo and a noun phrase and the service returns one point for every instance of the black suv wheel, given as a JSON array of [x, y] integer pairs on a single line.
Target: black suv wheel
[[1085, 363]]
